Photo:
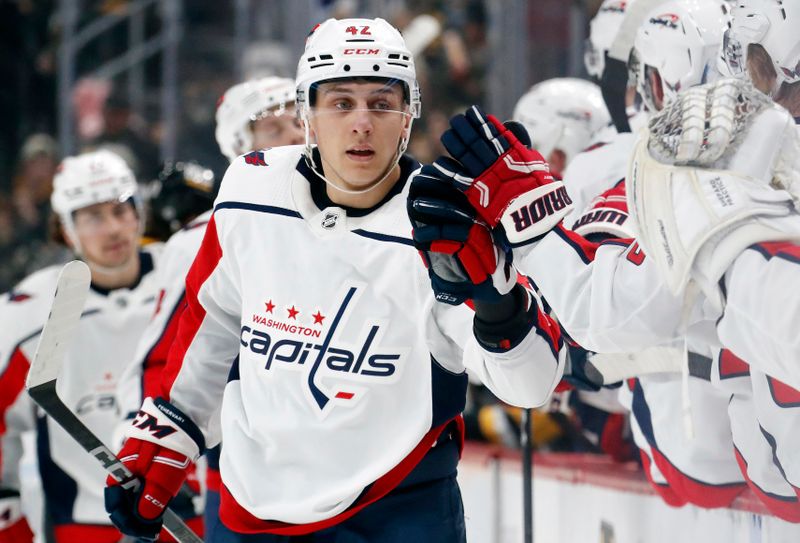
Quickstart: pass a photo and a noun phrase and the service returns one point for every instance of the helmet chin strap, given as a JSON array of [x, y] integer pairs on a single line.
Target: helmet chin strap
[[402, 145]]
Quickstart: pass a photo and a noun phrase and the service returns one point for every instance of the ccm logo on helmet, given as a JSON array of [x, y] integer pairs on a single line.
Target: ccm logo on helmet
[[362, 51]]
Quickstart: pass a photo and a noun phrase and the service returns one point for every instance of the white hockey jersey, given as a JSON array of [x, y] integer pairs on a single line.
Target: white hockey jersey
[[142, 378], [110, 327], [317, 330], [596, 169], [762, 309]]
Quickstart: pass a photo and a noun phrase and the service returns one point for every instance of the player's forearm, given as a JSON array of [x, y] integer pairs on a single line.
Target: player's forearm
[[759, 322], [608, 297], [519, 347]]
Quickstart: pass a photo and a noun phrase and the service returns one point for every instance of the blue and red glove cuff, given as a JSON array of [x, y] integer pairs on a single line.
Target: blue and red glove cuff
[[160, 422]]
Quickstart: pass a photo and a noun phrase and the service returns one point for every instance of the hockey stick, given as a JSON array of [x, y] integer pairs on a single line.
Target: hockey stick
[[526, 440], [65, 314]]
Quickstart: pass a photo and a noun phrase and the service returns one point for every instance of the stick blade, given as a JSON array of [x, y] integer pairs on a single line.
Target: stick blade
[[72, 290]]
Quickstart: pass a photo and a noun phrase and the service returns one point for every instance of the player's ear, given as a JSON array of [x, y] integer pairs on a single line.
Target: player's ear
[[407, 120], [312, 134]]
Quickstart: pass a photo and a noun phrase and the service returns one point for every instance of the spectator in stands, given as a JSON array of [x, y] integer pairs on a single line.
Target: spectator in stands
[[121, 132], [23, 216]]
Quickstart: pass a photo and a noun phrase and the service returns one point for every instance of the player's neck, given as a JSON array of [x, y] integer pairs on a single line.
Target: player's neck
[[124, 276], [363, 200]]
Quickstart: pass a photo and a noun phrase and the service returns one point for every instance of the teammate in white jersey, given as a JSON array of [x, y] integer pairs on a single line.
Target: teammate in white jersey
[[754, 198], [251, 115], [95, 198], [312, 327]]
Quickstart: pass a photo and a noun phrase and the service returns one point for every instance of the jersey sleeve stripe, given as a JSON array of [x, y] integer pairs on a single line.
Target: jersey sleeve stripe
[[784, 250], [259, 208], [156, 358], [784, 507], [584, 248], [549, 330], [383, 237], [12, 381], [204, 264]]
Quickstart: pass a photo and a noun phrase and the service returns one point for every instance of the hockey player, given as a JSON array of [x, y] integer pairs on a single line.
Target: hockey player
[[264, 102], [561, 115], [257, 114], [675, 49], [755, 179], [96, 200], [761, 44], [311, 323], [603, 161]]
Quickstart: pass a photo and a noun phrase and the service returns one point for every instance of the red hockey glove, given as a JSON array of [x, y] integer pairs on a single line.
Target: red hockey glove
[[504, 180], [14, 527], [607, 216], [162, 443]]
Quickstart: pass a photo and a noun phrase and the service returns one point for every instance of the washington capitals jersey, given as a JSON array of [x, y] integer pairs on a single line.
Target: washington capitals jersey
[[109, 329], [316, 330]]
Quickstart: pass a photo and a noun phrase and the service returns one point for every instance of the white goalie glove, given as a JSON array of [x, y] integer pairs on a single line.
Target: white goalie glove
[[714, 172]]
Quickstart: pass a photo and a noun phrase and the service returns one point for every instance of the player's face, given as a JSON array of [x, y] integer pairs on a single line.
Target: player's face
[[108, 233], [358, 126], [277, 130]]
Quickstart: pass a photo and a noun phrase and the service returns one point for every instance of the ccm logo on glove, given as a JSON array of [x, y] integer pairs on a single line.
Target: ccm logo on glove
[[146, 421]]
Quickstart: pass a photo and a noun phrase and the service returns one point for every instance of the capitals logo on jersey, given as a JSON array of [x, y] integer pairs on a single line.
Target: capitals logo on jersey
[[337, 371]]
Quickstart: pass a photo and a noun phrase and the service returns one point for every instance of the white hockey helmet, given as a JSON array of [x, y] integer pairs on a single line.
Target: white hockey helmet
[[603, 30], [680, 41], [247, 102], [349, 48], [562, 113], [774, 25], [88, 179]]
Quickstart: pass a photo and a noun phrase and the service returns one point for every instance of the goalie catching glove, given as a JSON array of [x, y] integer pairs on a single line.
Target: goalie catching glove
[[506, 182], [456, 246], [160, 450]]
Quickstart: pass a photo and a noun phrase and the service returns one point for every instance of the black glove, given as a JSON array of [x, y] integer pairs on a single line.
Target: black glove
[[456, 246]]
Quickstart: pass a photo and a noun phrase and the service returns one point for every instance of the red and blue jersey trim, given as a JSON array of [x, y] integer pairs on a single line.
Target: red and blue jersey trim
[[238, 519]]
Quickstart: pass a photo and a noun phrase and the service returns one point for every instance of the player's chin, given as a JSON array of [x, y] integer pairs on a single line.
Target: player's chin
[[366, 171]]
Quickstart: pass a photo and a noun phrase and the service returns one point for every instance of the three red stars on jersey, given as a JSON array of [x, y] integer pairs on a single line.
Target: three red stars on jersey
[[293, 312]]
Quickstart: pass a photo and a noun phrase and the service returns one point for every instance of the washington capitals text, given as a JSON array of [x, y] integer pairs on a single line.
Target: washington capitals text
[[295, 351]]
